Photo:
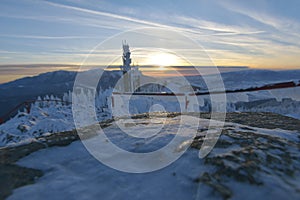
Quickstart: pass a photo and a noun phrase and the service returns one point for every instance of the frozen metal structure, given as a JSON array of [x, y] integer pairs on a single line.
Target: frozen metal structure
[[131, 74], [126, 58], [130, 89]]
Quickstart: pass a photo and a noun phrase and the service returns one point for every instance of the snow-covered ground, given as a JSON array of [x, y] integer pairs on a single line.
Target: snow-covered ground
[[46, 117], [49, 117], [246, 163], [41, 121]]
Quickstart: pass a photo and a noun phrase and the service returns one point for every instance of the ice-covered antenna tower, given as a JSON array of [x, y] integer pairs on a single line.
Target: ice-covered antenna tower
[[126, 58], [131, 75], [126, 68]]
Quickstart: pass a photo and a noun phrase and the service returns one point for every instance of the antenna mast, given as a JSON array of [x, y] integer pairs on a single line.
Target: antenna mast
[[126, 58]]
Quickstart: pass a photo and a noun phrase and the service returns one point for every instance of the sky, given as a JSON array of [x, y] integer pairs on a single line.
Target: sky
[[258, 33]]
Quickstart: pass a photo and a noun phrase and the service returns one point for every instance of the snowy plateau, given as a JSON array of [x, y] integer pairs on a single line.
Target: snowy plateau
[[256, 156]]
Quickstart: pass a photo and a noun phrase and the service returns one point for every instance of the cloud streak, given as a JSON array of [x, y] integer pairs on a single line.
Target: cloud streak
[[49, 37], [251, 38], [197, 26]]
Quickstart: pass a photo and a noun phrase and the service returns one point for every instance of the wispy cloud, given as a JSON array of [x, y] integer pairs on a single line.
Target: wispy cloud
[[45, 37], [75, 27], [107, 14], [185, 24], [282, 28], [198, 29], [217, 28]]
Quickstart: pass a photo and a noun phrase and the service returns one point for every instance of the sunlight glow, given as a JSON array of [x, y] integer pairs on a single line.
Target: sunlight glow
[[162, 60]]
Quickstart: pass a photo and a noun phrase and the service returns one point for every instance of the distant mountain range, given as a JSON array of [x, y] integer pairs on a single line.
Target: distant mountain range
[[243, 79]]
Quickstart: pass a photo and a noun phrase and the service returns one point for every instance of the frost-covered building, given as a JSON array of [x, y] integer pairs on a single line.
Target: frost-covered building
[[135, 93]]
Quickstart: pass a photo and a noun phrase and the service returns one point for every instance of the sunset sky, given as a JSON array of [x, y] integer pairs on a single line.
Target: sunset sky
[[258, 33]]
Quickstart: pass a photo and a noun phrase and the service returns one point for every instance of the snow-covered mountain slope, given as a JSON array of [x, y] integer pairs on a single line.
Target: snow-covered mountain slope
[[246, 163], [247, 78], [51, 83], [47, 117], [41, 121]]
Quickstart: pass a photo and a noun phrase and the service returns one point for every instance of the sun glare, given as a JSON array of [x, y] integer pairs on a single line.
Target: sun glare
[[162, 60]]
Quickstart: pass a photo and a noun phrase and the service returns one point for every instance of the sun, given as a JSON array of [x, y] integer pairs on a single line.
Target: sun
[[162, 60]]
